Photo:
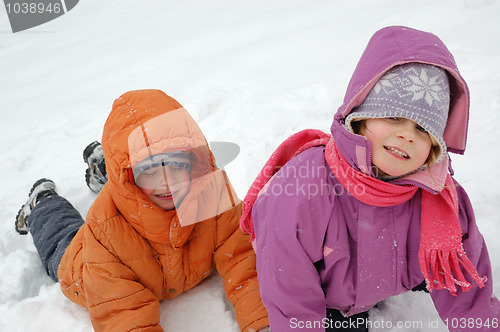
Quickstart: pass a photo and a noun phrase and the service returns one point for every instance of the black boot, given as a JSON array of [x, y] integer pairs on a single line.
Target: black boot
[[338, 323], [41, 189], [95, 174]]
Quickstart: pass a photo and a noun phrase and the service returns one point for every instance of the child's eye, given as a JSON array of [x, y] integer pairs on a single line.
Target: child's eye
[[150, 172], [394, 118], [421, 129]]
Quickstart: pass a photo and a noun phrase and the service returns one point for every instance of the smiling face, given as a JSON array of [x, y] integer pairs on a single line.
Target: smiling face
[[164, 179], [162, 192], [399, 146]]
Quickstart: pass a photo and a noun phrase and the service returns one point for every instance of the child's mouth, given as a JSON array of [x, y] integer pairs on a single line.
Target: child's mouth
[[165, 196], [397, 152]]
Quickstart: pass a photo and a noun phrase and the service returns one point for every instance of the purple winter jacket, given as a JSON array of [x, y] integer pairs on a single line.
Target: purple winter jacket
[[319, 247]]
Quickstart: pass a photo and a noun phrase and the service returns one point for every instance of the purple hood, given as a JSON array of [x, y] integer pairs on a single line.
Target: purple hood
[[394, 46], [387, 48]]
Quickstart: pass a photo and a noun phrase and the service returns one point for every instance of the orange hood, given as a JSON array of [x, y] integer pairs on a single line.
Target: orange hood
[[148, 122]]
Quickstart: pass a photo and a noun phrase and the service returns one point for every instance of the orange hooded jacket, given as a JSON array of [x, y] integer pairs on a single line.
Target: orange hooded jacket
[[130, 254]]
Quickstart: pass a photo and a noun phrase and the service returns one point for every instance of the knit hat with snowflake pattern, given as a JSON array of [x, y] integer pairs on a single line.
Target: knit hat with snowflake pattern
[[415, 91]]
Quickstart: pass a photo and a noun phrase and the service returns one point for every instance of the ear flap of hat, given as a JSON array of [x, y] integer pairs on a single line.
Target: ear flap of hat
[[455, 134]]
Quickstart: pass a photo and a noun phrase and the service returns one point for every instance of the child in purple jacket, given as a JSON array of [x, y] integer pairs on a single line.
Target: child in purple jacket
[[341, 222]]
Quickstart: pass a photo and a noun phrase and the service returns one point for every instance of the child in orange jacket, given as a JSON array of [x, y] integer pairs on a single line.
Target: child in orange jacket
[[164, 219]]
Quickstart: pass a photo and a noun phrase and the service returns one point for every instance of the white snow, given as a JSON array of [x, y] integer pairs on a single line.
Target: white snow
[[252, 73]]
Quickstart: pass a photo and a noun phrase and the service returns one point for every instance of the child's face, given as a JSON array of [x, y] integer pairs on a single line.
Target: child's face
[[164, 185], [399, 146]]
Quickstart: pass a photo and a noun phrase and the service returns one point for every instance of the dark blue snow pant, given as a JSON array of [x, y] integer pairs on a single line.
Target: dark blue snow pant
[[53, 223]]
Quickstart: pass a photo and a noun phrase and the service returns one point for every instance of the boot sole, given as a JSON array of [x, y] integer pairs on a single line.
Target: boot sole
[[21, 216]]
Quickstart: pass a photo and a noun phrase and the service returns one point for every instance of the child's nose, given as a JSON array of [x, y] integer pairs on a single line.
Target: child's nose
[[164, 177], [407, 131]]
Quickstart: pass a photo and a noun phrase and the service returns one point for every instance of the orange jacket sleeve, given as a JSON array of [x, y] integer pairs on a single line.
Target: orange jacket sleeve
[[235, 261], [116, 300]]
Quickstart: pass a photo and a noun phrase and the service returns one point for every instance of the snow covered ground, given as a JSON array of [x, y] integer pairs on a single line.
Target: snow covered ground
[[252, 73]]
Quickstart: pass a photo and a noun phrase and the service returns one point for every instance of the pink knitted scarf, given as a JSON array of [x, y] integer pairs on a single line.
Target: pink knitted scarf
[[441, 254]]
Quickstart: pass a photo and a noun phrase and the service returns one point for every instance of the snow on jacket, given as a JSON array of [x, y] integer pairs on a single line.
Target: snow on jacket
[[319, 247], [130, 254]]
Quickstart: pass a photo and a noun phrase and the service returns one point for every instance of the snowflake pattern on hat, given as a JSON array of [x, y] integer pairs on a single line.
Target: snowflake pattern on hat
[[417, 85], [425, 87], [422, 86]]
